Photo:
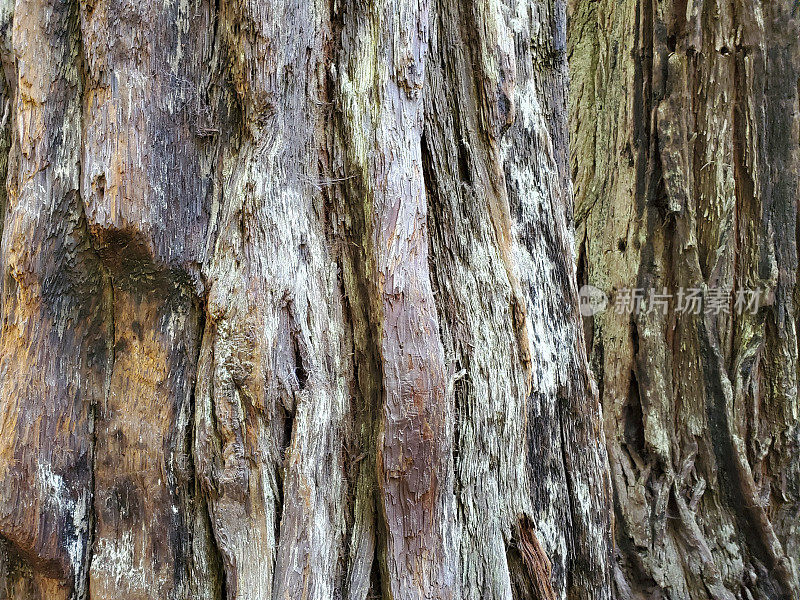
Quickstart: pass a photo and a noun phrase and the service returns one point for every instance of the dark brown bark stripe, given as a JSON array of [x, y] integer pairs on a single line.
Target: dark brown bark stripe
[[53, 351], [414, 435]]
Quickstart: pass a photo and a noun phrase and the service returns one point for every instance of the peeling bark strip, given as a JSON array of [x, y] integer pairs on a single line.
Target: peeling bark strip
[[288, 306], [686, 161], [271, 398], [497, 180], [414, 439], [414, 432], [535, 561]]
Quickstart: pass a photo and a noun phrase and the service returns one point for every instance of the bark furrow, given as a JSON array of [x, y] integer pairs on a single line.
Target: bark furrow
[[685, 126]]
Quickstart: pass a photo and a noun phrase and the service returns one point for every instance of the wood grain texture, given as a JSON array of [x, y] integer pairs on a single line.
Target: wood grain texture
[[145, 194], [685, 133], [53, 316], [289, 305]]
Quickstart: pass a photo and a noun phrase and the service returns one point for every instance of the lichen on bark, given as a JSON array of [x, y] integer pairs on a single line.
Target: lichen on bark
[[684, 126]]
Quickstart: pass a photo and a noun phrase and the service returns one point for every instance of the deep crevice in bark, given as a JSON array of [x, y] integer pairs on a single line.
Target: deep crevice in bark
[[702, 93]]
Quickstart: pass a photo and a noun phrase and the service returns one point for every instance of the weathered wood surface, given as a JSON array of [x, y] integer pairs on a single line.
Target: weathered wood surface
[[685, 128], [289, 306]]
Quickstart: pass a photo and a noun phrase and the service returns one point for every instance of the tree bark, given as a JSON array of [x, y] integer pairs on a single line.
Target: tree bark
[[685, 125], [289, 307]]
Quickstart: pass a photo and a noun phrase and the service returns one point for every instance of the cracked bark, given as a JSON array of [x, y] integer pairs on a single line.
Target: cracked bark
[[289, 306], [684, 124]]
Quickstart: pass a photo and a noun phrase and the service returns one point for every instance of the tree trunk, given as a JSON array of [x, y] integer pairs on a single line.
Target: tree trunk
[[289, 306], [685, 125]]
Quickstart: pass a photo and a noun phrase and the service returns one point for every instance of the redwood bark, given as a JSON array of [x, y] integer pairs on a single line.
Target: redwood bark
[[289, 307], [685, 127]]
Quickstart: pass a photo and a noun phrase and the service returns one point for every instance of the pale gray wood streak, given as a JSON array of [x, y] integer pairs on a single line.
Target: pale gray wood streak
[[502, 246], [272, 397]]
